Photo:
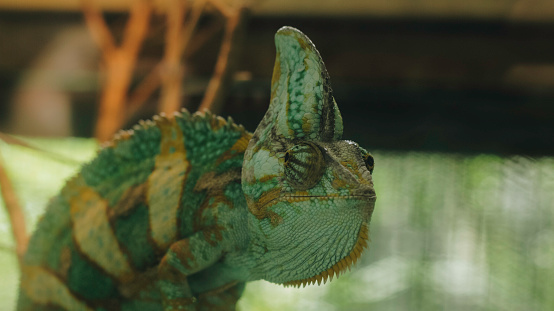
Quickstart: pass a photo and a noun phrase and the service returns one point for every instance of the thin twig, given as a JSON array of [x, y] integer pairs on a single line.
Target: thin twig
[[172, 72], [15, 213], [209, 102], [98, 28], [177, 41], [224, 9], [5, 248], [203, 35], [148, 85], [190, 27], [119, 64], [137, 26], [11, 140], [153, 80]]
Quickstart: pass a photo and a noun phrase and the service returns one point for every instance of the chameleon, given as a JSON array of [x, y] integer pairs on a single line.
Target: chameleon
[[180, 211]]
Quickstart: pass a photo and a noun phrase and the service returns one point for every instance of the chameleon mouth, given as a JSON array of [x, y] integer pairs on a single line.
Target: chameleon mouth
[[339, 267], [260, 209]]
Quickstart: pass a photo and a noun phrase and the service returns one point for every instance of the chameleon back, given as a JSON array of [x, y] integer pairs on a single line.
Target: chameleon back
[[145, 190]]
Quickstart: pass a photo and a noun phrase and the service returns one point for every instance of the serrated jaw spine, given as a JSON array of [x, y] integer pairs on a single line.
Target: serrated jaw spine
[[341, 266]]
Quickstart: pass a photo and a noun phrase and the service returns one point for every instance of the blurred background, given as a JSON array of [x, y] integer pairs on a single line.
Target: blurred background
[[454, 98]]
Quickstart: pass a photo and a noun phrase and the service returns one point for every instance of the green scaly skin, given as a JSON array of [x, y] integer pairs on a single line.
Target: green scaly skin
[[180, 212]]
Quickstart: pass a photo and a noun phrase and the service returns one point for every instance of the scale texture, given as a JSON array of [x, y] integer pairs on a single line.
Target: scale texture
[[180, 212]]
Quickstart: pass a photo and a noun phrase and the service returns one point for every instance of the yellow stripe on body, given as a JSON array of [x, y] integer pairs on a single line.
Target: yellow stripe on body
[[43, 287], [94, 235], [165, 184], [242, 143], [238, 147]]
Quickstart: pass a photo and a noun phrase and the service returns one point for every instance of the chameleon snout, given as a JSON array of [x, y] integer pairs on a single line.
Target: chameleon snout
[[365, 191]]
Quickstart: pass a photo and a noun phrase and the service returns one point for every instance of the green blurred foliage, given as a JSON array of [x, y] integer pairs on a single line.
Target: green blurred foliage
[[449, 232]]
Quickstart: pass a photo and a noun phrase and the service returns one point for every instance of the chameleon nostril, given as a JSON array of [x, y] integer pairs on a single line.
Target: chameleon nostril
[[365, 191], [366, 175]]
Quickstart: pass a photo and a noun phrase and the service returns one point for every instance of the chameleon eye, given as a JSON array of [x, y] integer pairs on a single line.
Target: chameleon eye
[[369, 162], [304, 165]]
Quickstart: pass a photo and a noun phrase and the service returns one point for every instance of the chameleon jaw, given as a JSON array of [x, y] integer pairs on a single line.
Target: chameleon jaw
[[340, 266]]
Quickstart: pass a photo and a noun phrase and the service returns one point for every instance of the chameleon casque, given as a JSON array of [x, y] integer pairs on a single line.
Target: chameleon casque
[[180, 212]]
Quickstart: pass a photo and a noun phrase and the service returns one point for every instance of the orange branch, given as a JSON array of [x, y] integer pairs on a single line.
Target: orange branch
[[196, 12], [203, 36], [143, 91], [137, 26], [172, 72], [153, 80], [119, 64], [98, 28], [15, 213], [178, 38], [214, 90], [52, 155], [224, 9]]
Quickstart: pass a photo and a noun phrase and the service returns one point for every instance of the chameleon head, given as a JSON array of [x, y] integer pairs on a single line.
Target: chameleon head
[[309, 193]]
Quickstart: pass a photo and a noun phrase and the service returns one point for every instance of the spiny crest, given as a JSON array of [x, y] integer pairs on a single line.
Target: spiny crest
[[206, 117], [341, 266], [138, 147]]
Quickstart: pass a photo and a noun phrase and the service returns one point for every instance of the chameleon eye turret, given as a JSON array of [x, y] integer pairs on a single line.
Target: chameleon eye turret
[[181, 211], [369, 162], [304, 165]]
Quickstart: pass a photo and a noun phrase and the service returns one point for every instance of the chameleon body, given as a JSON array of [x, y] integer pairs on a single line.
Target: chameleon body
[[180, 212]]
